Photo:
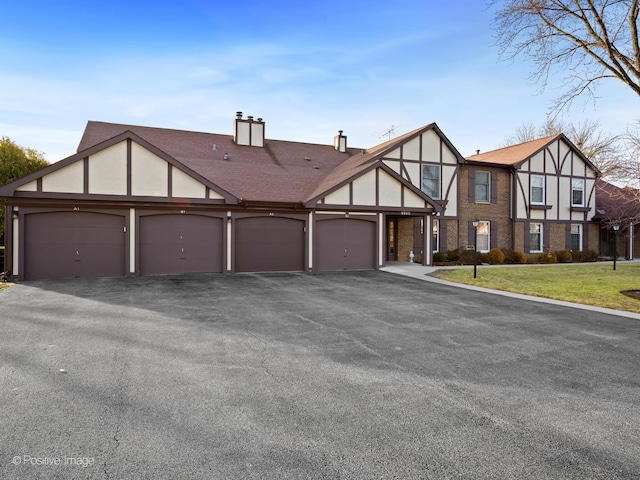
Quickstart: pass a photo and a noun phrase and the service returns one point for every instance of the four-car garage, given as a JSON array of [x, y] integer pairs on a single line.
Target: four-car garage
[[119, 242]]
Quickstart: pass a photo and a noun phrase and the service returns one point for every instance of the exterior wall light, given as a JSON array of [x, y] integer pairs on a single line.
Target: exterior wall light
[[15, 214]]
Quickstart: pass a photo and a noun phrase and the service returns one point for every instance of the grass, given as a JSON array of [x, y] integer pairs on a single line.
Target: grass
[[587, 283]]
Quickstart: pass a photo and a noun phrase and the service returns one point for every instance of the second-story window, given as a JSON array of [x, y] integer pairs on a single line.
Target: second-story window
[[577, 193], [537, 189], [431, 181], [483, 187]]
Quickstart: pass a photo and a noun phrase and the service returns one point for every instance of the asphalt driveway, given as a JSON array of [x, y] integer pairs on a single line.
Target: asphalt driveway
[[344, 375]]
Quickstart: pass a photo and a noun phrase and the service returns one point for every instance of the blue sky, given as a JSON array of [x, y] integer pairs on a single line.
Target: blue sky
[[308, 68]]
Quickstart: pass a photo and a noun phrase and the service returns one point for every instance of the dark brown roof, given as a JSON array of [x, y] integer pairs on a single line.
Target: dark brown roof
[[282, 171], [616, 204]]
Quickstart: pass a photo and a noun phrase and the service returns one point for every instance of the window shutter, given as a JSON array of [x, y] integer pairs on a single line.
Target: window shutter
[[443, 236], [471, 237], [527, 237], [567, 243], [472, 185], [494, 187], [493, 228], [546, 235]]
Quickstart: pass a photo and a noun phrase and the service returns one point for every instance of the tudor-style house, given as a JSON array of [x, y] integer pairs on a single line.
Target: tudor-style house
[[534, 197], [151, 201]]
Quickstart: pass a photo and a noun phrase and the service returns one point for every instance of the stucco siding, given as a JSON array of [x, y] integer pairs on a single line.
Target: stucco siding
[[339, 197], [108, 171], [364, 189], [536, 163], [149, 173], [29, 187], [430, 146], [393, 165], [389, 190], [412, 200], [411, 149], [413, 169], [69, 179], [185, 186]]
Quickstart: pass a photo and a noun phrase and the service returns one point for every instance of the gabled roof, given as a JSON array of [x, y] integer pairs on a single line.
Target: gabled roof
[[514, 155], [10, 188], [372, 158], [280, 172]]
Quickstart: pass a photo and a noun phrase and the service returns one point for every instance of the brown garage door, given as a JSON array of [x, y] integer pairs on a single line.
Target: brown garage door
[[74, 245], [345, 244], [175, 244], [269, 244]]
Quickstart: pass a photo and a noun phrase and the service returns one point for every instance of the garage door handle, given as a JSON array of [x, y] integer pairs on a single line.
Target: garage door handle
[[77, 253]]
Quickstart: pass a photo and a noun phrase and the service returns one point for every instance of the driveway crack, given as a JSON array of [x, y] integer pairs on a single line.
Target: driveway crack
[[119, 406]]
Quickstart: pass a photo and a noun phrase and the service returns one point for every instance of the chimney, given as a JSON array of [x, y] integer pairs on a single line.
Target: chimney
[[340, 142], [477, 152], [248, 132]]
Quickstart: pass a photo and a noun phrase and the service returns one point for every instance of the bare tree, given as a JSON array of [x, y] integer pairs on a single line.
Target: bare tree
[[586, 41], [629, 172]]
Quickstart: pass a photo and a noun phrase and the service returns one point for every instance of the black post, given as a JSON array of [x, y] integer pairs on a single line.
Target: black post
[[615, 247], [475, 248]]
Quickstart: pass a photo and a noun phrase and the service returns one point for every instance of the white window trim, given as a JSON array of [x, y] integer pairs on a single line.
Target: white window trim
[[439, 167], [580, 232], [488, 235], [541, 244], [544, 193], [581, 204], [488, 200]]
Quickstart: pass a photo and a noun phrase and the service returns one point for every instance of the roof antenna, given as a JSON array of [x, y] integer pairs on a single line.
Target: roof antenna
[[388, 132]]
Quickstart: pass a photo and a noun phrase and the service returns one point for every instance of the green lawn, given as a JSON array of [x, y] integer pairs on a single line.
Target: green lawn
[[587, 283]]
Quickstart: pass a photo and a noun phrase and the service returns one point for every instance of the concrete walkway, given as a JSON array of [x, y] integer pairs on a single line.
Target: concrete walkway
[[420, 272]]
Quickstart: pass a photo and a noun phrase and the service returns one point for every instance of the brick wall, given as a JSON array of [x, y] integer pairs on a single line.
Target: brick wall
[[497, 213], [405, 239]]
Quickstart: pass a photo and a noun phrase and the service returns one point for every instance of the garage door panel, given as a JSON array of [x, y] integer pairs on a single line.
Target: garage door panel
[[175, 244], [346, 244], [74, 245], [269, 244]]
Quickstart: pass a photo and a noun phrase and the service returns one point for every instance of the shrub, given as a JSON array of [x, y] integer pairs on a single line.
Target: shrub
[[495, 256], [467, 257], [548, 257], [586, 256], [440, 257], [519, 257], [564, 256], [453, 255]]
